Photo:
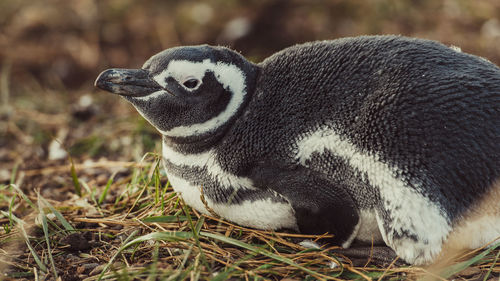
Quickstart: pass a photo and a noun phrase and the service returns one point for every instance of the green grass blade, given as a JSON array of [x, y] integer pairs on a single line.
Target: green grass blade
[[156, 177], [14, 174], [257, 250], [165, 219], [158, 236], [45, 227], [33, 252], [153, 271], [105, 191], [25, 198], [491, 267], [132, 235], [196, 233], [456, 268], [91, 192], [186, 257], [163, 199], [227, 273], [74, 177], [58, 215], [198, 226], [21, 223], [11, 206]]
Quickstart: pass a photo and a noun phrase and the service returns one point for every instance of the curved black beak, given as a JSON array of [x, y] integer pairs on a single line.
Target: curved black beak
[[127, 82]]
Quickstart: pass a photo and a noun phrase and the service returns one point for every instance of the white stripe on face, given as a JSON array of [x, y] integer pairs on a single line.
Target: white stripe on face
[[151, 96], [230, 77]]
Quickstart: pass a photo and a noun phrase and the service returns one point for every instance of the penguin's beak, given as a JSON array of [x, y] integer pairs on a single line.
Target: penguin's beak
[[127, 82]]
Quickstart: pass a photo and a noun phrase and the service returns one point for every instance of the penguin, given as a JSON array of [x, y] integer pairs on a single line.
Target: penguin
[[388, 139]]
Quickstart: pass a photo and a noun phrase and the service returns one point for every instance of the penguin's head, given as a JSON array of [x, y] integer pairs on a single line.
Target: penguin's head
[[186, 91]]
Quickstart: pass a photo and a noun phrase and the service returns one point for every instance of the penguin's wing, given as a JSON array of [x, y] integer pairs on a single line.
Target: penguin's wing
[[319, 205]]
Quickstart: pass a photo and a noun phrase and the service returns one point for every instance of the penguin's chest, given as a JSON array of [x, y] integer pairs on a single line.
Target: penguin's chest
[[205, 186]]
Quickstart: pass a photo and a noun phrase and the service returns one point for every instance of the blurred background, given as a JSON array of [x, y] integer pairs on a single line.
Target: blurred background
[[67, 42], [52, 50]]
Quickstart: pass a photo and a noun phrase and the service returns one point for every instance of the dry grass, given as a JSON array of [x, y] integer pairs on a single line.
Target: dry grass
[[144, 231]]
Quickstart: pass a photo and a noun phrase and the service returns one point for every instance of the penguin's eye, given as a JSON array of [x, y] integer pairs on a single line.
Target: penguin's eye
[[191, 83]]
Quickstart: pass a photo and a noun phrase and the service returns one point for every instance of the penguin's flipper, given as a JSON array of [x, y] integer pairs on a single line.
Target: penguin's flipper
[[319, 205]]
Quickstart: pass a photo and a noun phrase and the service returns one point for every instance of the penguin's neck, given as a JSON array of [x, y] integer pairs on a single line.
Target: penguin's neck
[[194, 144]]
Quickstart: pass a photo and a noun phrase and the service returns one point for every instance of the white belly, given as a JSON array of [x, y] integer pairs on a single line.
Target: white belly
[[260, 214]]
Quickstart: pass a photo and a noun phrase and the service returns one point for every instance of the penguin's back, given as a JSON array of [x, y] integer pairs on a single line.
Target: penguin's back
[[429, 112]]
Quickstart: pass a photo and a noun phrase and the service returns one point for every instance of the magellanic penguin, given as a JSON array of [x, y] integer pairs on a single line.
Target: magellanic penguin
[[375, 137]]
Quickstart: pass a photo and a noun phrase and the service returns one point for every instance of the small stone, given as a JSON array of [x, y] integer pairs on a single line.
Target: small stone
[[309, 244]]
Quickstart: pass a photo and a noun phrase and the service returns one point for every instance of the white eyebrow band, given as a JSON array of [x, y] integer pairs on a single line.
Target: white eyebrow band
[[151, 96], [230, 76]]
